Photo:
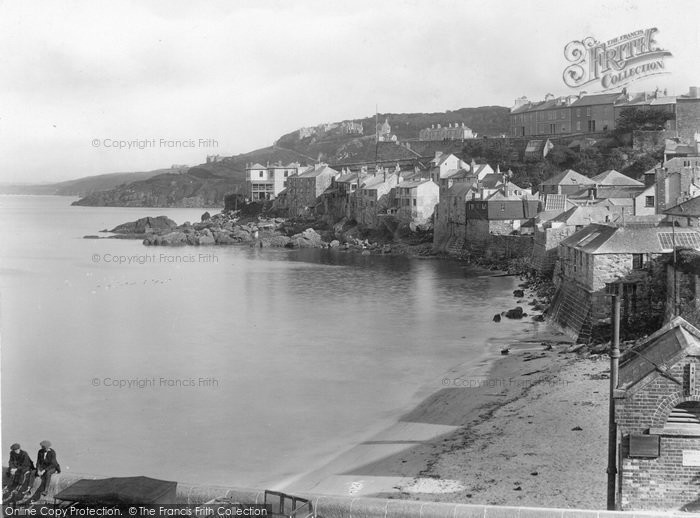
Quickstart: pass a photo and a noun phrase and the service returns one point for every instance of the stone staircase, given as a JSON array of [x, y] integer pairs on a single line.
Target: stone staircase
[[456, 246]]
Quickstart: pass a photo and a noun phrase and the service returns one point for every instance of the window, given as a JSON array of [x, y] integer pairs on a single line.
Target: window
[[649, 201], [685, 416], [578, 112], [286, 173], [637, 261], [503, 207], [578, 125], [588, 111], [261, 174], [414, 202]]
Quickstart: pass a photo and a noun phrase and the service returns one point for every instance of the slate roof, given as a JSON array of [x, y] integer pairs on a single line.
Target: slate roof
[[606, 239], [612, 177], [591, 100], [568, 177], [316, 171], [690, 209], [347, 178], [409, 184], [459, 190], [256, 166], [661, 348]]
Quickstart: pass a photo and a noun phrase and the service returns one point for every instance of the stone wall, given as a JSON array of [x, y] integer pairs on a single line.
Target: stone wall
[[687, 118], [545, 247]]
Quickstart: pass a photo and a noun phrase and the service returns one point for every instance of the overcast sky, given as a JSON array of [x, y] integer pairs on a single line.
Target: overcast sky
[[244, 73]]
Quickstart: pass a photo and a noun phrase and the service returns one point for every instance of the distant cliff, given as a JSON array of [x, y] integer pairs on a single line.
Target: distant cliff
[[195, 188], [82, 186], [206, 184]]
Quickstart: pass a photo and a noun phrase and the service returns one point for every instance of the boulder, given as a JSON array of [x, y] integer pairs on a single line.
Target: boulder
[[517, 312], [497, 317], [206, 216], [309, 238], [335, 243], [518, 294]]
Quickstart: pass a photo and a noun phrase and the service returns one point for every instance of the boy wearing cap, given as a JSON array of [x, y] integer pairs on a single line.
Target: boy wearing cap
[[20, 465], [46, 465]]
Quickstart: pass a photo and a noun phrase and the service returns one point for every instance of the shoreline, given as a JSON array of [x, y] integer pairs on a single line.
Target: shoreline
[[399, 458]]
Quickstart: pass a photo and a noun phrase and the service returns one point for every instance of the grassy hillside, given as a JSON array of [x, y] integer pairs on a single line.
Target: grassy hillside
[[81, 186], [206, 184]]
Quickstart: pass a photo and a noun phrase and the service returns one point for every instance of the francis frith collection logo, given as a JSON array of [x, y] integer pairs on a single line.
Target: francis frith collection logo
[[616, 62]]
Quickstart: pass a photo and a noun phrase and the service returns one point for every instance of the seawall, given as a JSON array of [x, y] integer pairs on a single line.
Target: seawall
[[349, 507]]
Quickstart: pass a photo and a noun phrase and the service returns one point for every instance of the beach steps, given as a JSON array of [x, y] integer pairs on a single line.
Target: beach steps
[[456, 246]]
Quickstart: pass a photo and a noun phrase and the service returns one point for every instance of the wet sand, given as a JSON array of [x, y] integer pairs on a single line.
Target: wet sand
[[529, 428]]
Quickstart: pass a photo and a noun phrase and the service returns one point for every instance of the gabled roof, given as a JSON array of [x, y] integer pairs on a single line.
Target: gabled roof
[[438, 161], [585, 215], [606, 239], [591, 100], [657, 353], [612, 177], [568, 177], [256, 166], [690, 209]]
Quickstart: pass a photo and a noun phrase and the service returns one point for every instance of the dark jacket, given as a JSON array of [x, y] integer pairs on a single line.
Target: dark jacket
[[46, 459], [20, 460]]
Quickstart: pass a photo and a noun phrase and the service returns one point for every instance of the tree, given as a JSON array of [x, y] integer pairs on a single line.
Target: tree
[[633, 118]]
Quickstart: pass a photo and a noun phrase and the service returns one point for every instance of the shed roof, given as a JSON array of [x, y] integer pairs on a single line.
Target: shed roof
[[690, 209]]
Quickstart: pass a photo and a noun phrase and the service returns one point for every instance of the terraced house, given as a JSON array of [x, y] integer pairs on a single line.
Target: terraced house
[[304, 189]]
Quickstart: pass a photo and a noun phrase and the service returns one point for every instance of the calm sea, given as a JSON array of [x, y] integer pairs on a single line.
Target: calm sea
[[221, 365]]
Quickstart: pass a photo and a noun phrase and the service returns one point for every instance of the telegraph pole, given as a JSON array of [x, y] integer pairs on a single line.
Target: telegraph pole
[[612, 426]]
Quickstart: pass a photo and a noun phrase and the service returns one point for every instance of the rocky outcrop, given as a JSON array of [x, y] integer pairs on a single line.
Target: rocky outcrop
[[159, 224]]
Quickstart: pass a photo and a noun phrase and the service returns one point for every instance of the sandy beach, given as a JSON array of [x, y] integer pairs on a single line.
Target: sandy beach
[[527, 428]]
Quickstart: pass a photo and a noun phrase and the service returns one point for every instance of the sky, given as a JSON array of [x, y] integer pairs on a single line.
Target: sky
[[184, 79]]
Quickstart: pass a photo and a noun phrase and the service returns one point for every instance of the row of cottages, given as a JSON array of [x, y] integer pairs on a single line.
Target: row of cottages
[[600, 112], [266, 182], [479, 206], [593, 259]]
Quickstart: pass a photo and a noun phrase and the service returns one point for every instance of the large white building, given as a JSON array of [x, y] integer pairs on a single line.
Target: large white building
[[265, 182]]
